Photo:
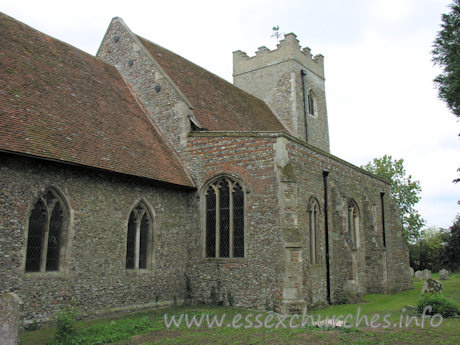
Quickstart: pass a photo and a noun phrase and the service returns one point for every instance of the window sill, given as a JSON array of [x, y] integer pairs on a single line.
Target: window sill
[[314, 265], [226, 260], [138, 271]]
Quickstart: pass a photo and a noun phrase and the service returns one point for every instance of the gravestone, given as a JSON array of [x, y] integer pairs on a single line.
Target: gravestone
[[431, 286], [426, 274], [443, 274], [10, 319], [419, 274], [411, 271]]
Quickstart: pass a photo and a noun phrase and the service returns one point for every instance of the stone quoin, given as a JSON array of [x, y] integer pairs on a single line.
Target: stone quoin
[[135, 178]]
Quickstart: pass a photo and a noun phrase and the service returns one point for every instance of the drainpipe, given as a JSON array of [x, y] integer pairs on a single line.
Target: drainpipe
[[382, 202], [303, 73], [326, 235]]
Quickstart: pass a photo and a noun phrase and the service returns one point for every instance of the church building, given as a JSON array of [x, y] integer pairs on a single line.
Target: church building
[[135, 179]]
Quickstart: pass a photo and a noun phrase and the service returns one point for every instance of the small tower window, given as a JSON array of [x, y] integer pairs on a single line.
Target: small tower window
[[311, 101]]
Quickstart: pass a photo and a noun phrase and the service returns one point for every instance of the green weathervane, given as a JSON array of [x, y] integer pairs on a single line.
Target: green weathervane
[[276, 33]]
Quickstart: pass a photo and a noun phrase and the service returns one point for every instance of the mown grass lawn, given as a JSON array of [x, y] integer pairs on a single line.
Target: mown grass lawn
[[150, 328]]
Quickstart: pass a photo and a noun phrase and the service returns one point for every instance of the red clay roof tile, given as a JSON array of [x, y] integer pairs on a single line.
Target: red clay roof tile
[[58, 102], [218, 105]]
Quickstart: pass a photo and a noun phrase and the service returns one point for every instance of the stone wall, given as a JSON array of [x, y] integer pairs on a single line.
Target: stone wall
[[279, 173], [254, 281], [366, 264], [168, 108], [275, 77], [398, 259], [94, 274], [282, 174]]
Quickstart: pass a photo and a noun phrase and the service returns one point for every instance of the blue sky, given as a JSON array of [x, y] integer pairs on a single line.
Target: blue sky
[[380, 94]]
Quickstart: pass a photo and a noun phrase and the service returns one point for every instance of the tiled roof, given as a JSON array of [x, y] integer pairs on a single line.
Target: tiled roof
[[218, 105], [60, 103]]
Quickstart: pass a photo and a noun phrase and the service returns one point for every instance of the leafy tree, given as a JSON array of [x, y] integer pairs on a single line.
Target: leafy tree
[[451, 253], [404, 191], [446, 54], [427, 252]]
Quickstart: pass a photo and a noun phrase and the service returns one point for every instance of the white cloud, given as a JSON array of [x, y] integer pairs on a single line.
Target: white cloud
[[381, 100], [391, 11], [380, 94]]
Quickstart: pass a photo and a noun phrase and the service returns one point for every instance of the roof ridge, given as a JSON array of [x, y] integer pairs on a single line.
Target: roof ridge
[[201, 67], [218, 104], [61, 103]]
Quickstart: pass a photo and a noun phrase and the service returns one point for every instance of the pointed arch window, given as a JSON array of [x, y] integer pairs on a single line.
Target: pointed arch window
[[138, 244], [353, 223], [313, 221], [312, 106], [224, 219], [46, 235]]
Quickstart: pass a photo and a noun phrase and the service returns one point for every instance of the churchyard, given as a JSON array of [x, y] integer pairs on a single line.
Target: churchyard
[[254, 327]]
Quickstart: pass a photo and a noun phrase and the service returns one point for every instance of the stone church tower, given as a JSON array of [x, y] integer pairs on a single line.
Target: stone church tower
[[291, 81], [137, 179]]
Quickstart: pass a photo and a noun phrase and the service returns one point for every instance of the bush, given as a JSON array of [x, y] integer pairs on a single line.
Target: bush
[[439, 304], [65, 326]]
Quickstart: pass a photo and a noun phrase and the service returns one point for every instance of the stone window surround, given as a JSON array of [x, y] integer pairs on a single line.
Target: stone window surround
[[236, 179], [353, 223], [314, 212], [150, 260], [66, 234], [311, 97]]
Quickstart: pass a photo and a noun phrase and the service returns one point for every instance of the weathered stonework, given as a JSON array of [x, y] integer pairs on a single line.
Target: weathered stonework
[[10, 319], [292, 175], [443, 274], [255, 280], [280, 175], [94, 275], [426, 274], [276, 77], [166, 106], [431, 286]]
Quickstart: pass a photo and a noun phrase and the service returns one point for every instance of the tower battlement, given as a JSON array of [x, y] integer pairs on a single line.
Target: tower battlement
[[291, 81], [288, 49]]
